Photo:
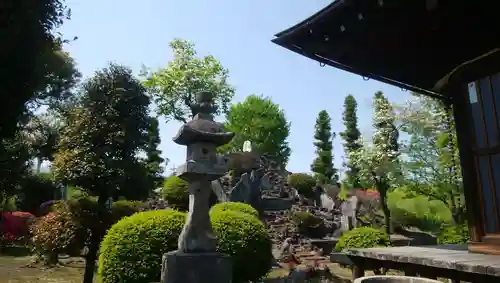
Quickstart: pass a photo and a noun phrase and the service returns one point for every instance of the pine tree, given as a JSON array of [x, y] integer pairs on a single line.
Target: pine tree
[[351, 137], [153, 161], [323, 164]]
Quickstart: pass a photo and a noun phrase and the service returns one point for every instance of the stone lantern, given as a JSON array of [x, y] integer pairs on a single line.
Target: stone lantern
[[196, 259]]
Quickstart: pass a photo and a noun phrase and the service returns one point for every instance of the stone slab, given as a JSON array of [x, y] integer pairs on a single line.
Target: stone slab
[[455, 257], [394, 279], [179, 267]]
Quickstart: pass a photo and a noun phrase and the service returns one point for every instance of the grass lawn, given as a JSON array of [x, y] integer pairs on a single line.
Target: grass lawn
[[17, 268]]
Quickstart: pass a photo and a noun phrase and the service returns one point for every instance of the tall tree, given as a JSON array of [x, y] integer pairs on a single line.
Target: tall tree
[[153, 161], [431, 162], [385, 124], [351, 137], [29, 25], [378, 162], [322, 165], [98, 149], [175, 86], [61, 77], [261, 121]]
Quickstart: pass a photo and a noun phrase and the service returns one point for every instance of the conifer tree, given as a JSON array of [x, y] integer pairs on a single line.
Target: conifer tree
[[323, 166], [153, 161], [351, 137]]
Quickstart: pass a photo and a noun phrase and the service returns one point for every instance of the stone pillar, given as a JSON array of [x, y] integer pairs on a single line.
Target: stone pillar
[[196, 260]]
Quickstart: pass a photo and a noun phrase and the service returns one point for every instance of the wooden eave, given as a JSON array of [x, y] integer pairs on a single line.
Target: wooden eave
[[408, 44]]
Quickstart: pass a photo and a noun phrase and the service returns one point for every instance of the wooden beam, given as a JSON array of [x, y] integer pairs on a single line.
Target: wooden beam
[[461, 113]]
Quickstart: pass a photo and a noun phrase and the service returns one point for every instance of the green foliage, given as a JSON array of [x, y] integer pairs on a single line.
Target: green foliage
[[81, 215], [454, 235], [323, 164], [234, 206], [42, 135], [84, 211], [153, 160], [309, 225], [245, 239], [109, 123], [351, 137], [378, 162], [419, 211], [124, 208], [176, 193], [14, 167], [259, 120], [175, 86], [431, 153], [54, 233], [35, 190], [9, 204], [132, 249], [26, 60], [363, 237], [302, 182]]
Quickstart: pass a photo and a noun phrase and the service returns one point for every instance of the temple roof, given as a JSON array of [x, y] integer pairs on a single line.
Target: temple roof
[[409, 44]]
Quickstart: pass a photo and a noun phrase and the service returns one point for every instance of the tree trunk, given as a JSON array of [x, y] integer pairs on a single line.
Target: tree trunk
[[382, 189], [95, 239]]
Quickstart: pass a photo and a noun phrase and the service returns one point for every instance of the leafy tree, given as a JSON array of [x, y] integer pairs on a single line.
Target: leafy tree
[[29, 25], [431, 162], [153, 161], [98, 152], [41, 135], [351, 137], [261, 121], [385, 125], [61, 77], [14, 166], [323, 164], [175, 86], [378, 162]]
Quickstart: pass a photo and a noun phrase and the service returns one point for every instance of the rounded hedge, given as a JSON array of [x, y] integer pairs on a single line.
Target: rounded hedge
[[363, 237], [303, 183], [175, 192], [132, 249], [234, 206], [309, 225], [244, 237]]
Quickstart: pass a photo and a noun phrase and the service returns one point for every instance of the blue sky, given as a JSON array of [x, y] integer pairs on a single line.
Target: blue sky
[[238, 33]]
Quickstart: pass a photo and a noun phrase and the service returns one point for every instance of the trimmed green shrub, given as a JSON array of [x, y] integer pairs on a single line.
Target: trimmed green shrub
[[234, 206], [55, 233], [309, 225], [123, 208], [453, 235], [419, 212], [363, 237], [82, 215], [303, 183], [132, 249], [245, 238], [175, 192]]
